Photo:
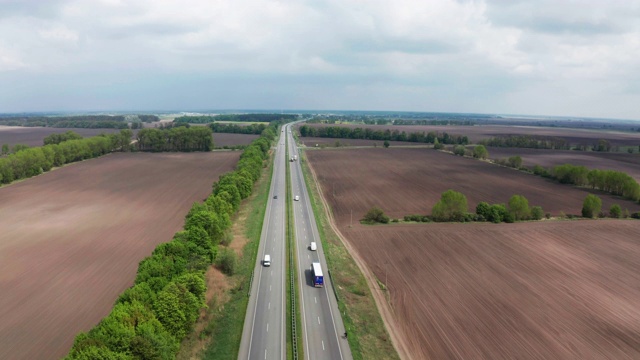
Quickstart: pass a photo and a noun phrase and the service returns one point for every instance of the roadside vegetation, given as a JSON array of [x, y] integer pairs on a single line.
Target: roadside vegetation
[[150, 319]]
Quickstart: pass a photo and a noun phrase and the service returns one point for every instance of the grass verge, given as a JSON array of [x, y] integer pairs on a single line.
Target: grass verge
[[369, 338], [225, 327]]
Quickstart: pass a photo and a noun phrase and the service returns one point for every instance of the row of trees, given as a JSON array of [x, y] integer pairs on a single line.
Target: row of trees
[[370, 134], [181, 138], [611, 181], [255, 129], [527, 141], [150, 319], [80, 121], [34, 161], [58, 138]]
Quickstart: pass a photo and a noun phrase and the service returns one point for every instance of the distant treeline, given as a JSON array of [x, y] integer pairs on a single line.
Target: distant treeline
[[255, 129], [386, 121], [370, 134], [82, 121], [150, 319], [236, 117], [527, 141], [36, 160], [181, 138]]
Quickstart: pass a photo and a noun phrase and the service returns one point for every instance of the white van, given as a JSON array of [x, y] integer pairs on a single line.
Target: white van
[[296, 198], [313, 246], [267, 260]]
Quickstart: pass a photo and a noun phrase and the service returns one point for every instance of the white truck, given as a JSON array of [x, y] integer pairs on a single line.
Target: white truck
[[295, 157]]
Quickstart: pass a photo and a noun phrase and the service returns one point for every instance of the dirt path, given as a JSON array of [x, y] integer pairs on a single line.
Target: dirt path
[[384, 307]]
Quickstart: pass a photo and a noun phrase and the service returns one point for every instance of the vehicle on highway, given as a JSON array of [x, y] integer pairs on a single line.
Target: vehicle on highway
[[316, 273], [275, 196], [267, 260], [296, 198], [313, 246]]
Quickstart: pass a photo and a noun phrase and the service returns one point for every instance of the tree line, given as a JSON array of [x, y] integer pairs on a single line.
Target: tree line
[[206, 119], [371, 134], [36, 160], [527, 141], [80, 121], [150, 319], [181, 138], [255, 129]]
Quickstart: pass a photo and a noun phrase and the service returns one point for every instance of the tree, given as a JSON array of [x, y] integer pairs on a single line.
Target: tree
[[519, 207], [451, 207], [480, 152], [375, 215], [5, 149], [515, 162], [615, 211], [437, 145], [483, 209], [385, 143], [459, 150], [591, 206], [537, 213]]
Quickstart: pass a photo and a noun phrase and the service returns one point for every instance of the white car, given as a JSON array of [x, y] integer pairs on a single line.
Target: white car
[[313, 246], [267, 260], [296, 198]]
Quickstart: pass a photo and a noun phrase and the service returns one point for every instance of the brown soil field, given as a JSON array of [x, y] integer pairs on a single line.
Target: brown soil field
[[628, 163], [533, 290], [544, 290], [476, 133], [72, 239], [34, 136], [330, 142], [222, 139], [405, 181]]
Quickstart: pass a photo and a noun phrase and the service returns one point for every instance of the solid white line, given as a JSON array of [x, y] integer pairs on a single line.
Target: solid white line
[[318, 319], [322, 345], [265, 353], [267, 327]]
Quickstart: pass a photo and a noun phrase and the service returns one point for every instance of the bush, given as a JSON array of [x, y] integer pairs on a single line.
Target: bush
[[451, 207], [515, 162], [519, 207], [635, 215], [438, 146], [480, 152], [540, 171], [375, 215], [483, 209], [227, 261], [615, 211], [537, 213], [591, 206], [459, 150]]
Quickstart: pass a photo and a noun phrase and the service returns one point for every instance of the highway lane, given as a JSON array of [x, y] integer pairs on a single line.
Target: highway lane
[[322, 325], [264, 332]]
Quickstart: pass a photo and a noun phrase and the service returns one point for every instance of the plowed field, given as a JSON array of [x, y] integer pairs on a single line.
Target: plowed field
[[72, 238], [537, 290], [222, 139]]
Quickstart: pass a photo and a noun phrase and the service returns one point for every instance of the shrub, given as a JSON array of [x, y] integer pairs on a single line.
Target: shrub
[[635, 215], [483, 209], [537, 213], [480, 152], [375, 215], [451, 207], [540, 171], [515, 162], [615, 211], [227, 261], [459, 150], [438, 146], [591, 206]]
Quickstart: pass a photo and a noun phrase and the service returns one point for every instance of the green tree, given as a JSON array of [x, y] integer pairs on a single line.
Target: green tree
[[480, 152], [483, 209], [519, 207], [5, 149], [515, 162], [591, 206], [615, 211], [385, 143], [375, 215], [451, 207], [459, 150], [537, 213]]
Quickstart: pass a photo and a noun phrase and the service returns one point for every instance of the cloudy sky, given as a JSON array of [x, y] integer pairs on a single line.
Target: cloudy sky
[[539, 57]]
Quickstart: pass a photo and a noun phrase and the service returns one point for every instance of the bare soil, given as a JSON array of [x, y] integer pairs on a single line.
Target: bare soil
[[535, 290], [222, 139], [331, 142], [72, 239]]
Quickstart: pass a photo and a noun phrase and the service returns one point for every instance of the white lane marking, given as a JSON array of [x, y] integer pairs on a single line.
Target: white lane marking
[[322, 345], [267, 327], [316, 299], [265, 353], [318, 319], [271, 273], [269, 287], [309, 257], [270, 305]]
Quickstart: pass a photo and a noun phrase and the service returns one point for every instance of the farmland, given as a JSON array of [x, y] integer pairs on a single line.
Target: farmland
[[72, 239], [482, 132], [222, 139], [533, 290], [628, 163]]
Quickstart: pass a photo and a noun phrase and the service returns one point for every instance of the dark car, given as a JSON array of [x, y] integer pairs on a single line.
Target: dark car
[[275, 196]]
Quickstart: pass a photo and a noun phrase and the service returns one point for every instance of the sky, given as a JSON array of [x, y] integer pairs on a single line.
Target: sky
[[544, 57]]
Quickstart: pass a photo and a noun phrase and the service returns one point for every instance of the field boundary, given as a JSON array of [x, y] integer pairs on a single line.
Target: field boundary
[[379, 297]]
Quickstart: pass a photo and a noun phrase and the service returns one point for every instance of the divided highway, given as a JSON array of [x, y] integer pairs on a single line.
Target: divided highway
[[264, 332], [322, 327]]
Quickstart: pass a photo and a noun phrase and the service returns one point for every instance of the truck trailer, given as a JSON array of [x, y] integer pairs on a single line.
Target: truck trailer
[[316, 274]]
